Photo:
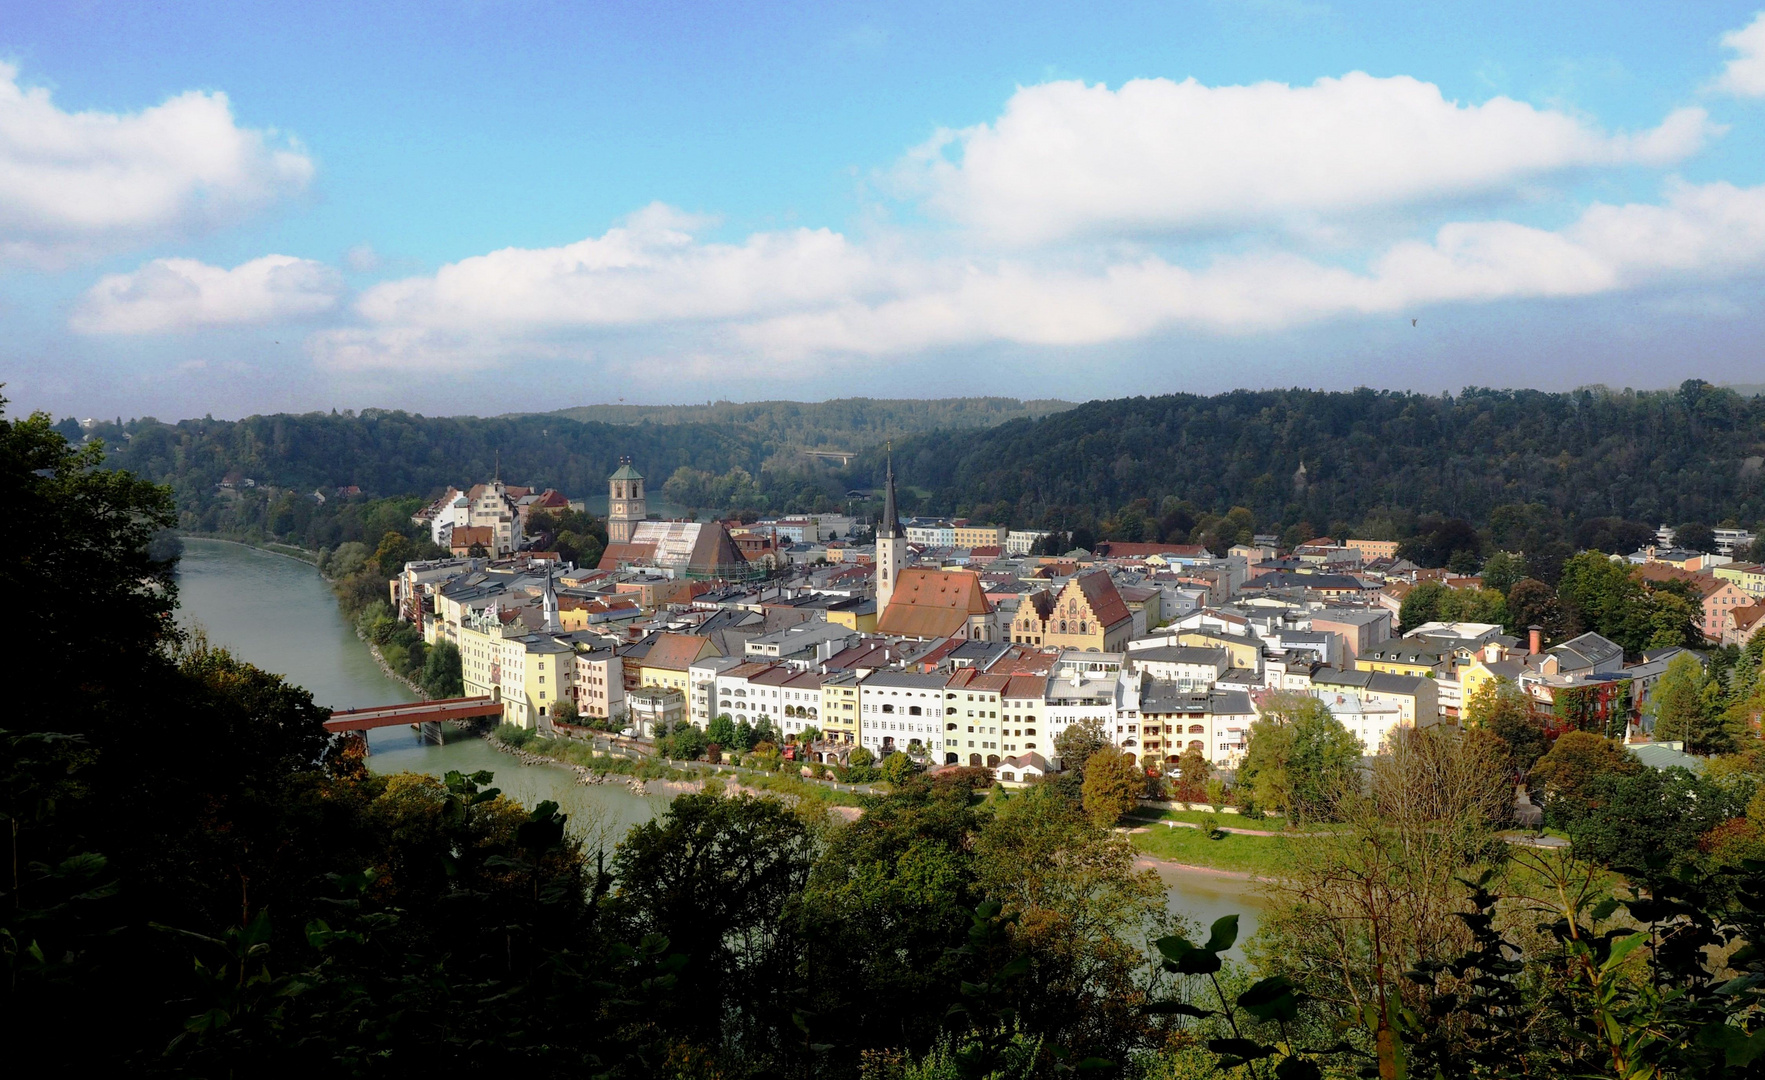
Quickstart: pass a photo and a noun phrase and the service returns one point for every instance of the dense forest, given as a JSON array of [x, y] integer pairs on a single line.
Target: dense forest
[[1510, 470], [840, 424], [1381, 458]]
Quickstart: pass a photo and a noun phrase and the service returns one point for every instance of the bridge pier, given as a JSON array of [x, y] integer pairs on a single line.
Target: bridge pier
[[430, 731]]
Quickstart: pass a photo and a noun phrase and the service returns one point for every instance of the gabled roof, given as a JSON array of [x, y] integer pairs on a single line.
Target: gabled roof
[[618, 555], [933, 603], [1022, 687], [1103, 597], [714, 554], [676, 652], [1588, 650]]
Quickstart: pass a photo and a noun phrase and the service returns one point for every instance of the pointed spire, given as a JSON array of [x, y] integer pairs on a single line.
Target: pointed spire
[[891, 523]]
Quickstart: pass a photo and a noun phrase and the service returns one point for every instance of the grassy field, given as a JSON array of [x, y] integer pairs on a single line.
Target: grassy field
[[1263, 856]]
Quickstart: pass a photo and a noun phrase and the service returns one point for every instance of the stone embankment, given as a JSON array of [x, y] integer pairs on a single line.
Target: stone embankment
[[386, 669]]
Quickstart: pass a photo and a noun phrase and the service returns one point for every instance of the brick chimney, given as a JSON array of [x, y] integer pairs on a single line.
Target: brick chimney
[[1535, 636]]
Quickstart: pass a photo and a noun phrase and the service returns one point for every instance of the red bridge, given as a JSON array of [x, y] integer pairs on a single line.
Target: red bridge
[[417, 712]]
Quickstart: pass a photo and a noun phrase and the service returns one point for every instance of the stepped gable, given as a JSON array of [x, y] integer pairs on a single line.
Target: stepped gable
[[1106, 602], [933, 603]]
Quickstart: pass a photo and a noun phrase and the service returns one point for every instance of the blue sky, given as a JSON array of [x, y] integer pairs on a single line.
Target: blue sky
[[485, 207]]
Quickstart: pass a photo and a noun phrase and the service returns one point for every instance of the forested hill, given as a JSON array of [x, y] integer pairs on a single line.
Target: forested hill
[[841, 424], [397, 453], [1682, 455]]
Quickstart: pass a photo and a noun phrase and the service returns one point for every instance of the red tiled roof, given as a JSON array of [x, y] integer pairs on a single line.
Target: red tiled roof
[[933, 603], [617, 555], [675, 652], [464, 536], [1106, 602]]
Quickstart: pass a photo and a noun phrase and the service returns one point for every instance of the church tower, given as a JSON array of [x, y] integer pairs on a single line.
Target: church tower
[[625, 503], [891, 546]]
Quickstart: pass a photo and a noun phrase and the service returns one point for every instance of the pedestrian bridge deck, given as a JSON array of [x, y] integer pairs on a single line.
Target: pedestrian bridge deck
[[417, 712]]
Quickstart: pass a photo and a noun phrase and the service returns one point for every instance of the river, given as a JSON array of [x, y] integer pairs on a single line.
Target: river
[[277, 613]]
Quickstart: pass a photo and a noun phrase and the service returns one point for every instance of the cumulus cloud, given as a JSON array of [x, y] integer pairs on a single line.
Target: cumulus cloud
[[793, 295], [1067, 159], [1704, 232], [1744, 75], [647, 271], [172, 295], [79, 184]]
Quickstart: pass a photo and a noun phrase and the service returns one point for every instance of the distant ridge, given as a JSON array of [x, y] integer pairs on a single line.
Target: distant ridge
[[842, 423]]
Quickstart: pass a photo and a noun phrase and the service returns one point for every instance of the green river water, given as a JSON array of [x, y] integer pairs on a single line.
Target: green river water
[[277, 613]]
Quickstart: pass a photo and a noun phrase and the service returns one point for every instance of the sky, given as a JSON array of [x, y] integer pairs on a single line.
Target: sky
[[485, 206]]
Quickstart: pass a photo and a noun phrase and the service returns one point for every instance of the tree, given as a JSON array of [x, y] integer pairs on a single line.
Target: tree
[[1677, 703], [1504, 712], [394, 551], [1503, 571], [564, 712], [722, 731], [1193, 770], [1421, 605], [1300, 759], [443, 676], [1370, 904], [1651, 820], [1473, 605], [1114, 783], [1695, 536], [1080, 914], [1437, 540], [1533, 603], [1077, 742], [713, 876], [898, 768], [1568, 770], [887, 904], [685, 742]]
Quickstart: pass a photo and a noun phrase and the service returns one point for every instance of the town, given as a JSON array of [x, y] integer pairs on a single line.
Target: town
[[968, 645]]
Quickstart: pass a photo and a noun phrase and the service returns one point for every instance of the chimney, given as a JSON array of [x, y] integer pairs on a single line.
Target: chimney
[[1535, 635]]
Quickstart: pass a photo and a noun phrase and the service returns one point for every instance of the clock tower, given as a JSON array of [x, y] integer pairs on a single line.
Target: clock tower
[[625, 503]]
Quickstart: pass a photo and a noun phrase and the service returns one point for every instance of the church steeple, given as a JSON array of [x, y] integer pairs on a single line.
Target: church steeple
[[891, 546], [890, 526]]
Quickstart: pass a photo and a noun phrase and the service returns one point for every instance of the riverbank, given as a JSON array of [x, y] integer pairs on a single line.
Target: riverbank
[[1244, 853], [653, 777], [386, 669], [287, 551]]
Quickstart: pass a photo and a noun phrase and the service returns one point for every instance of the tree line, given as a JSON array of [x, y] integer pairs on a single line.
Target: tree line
[[1522, 465]]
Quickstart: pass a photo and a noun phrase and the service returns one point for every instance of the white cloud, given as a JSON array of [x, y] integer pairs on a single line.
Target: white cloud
[[1067, 159], [172, 295], [1702, 233], [81, 184], [1744, 75], [783, 297], [647, 271]]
